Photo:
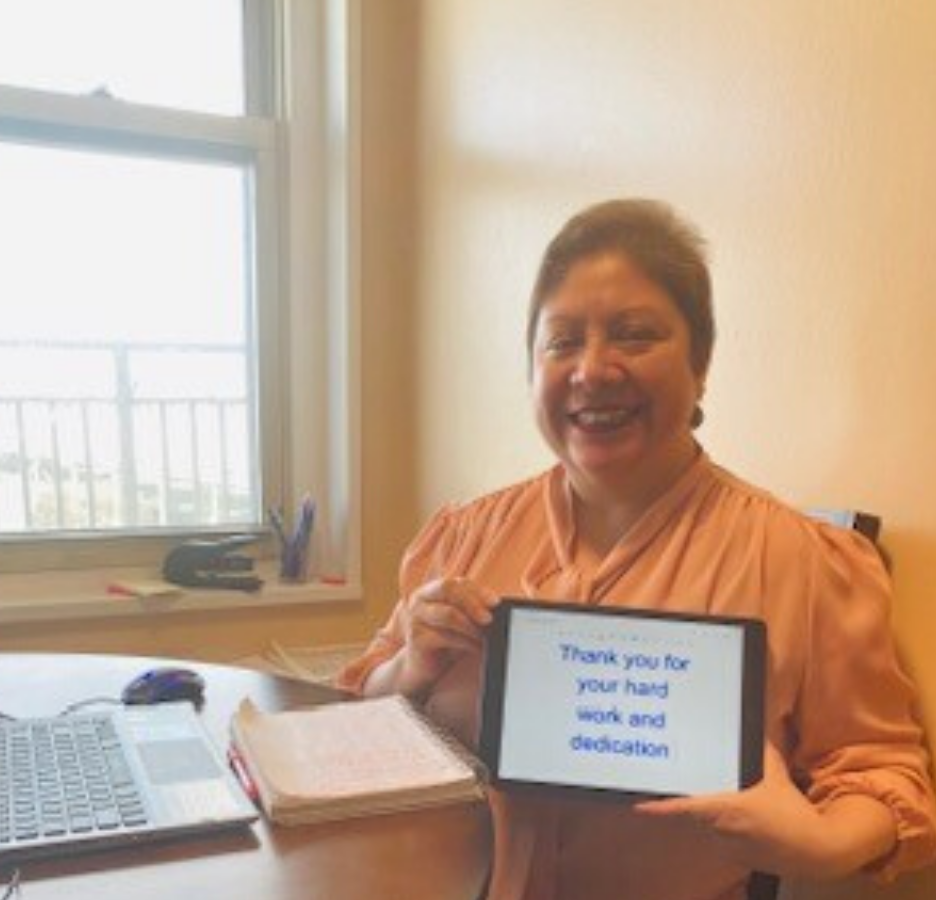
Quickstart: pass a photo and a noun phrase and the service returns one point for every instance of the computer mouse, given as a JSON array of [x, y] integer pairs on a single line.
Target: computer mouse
[[163, 685]]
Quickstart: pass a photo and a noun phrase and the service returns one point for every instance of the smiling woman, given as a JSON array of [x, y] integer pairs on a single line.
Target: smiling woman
[[634, 514], [613, 388], [621, 332]]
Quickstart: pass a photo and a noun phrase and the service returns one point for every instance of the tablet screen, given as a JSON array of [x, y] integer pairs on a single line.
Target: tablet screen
[[622, 700]]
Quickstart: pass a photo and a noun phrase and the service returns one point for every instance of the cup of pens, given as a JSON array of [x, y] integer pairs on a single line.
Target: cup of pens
[[294, 546]]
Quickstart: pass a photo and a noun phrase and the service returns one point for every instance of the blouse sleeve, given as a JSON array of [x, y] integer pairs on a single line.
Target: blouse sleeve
[[422, 561], [859, 731]]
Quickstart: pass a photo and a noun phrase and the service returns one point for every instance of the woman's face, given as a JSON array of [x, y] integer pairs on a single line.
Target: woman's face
[[613, 385]]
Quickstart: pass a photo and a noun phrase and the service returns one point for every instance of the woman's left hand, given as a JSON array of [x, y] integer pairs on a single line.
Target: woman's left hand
[[772, 827]]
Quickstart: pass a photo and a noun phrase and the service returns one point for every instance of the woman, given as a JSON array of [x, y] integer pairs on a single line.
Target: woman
[[620, 335]]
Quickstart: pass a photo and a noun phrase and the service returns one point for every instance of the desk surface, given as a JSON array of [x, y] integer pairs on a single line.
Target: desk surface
[[437, 854]]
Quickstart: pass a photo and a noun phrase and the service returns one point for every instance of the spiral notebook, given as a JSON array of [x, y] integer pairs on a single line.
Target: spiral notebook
[[346, 760]]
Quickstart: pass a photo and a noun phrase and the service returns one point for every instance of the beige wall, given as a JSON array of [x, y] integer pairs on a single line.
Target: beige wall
[[801, 136]]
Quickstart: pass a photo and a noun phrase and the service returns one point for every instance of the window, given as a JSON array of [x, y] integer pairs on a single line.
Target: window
[[141, 329], [176, 306]]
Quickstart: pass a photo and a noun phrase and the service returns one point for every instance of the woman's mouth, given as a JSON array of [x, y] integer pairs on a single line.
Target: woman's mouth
[[603, 420]]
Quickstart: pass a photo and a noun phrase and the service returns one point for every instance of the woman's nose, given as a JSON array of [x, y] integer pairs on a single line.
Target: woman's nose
[[597, 364]]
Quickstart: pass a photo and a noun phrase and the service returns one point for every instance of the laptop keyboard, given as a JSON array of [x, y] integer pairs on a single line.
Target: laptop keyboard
[[65, 776]]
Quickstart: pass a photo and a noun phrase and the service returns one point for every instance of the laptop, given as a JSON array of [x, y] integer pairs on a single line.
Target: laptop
[[617, 703], [119, 777]]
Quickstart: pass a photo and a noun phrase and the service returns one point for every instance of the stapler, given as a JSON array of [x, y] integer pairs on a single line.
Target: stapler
[[213, 564]]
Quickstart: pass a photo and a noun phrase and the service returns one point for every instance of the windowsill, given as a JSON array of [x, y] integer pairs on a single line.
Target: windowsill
[[68, 595]]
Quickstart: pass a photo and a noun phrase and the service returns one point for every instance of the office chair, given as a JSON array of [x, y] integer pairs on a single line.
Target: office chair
[[762, 886]]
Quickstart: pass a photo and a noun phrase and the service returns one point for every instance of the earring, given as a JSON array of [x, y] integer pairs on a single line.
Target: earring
[[697, 418]]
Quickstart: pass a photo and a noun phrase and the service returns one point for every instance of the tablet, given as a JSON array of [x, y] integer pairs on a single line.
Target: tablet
[[622, 701]]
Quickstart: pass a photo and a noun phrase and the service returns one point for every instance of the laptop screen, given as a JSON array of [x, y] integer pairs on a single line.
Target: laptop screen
[[620, 700]]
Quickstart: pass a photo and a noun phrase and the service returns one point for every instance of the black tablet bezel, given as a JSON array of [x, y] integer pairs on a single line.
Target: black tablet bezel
[[750, 764]]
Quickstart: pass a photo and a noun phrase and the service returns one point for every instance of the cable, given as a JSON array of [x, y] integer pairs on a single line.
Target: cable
[[68, 710], [91, 701]]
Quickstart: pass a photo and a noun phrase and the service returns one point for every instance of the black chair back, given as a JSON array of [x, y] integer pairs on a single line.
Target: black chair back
[[763, 887]]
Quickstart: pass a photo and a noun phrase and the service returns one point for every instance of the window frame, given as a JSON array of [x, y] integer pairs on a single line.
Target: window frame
[[306, 178]]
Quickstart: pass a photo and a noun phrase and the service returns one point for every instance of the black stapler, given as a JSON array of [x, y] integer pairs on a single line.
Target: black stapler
[[213, 564]]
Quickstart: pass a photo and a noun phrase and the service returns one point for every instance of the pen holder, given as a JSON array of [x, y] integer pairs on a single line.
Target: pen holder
[[294, 548], [294, 566]]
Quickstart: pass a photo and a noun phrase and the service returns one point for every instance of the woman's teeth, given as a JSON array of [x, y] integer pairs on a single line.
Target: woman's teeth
[[603, 418]]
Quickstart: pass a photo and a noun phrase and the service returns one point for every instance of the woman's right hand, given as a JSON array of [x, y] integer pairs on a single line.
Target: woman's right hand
[[442, 621]]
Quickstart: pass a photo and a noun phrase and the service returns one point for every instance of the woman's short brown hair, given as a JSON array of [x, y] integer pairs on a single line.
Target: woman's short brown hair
[[669, 251]]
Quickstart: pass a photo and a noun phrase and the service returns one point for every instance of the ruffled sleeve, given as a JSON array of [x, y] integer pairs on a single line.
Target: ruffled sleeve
[[422, 561], [457, 541], [858, 727]]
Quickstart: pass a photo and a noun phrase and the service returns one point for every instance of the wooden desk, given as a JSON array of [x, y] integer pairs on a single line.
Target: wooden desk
[[437, 854]]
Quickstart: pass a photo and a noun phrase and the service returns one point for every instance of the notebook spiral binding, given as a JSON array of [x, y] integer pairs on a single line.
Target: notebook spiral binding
[[450, 742]]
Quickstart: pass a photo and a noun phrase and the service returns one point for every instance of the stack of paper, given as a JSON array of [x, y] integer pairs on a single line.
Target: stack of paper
[[352, 759]]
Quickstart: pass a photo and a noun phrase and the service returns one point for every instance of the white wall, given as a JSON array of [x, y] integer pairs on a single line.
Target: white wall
[[801, 137]]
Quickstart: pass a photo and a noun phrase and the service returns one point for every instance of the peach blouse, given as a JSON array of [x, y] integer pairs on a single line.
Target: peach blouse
[[838, 706]]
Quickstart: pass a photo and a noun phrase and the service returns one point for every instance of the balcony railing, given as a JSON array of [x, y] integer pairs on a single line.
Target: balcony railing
[[127, 458]]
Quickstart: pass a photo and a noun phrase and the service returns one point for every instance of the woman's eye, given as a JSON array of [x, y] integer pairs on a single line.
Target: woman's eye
[[637, 337], [559, 344]]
